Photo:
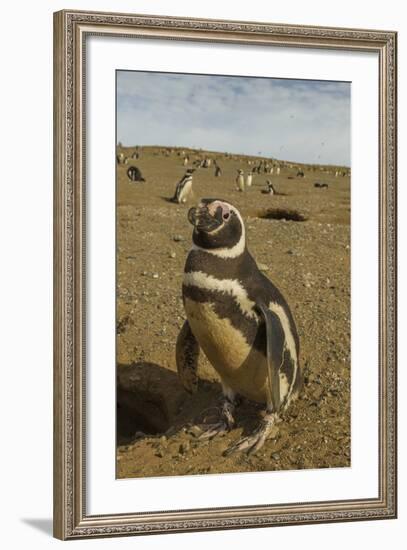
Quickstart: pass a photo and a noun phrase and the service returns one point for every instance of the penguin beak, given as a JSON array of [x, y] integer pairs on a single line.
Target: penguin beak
[[202, 220]]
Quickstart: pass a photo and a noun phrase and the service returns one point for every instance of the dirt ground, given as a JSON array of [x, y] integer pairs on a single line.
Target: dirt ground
[[309, 260]]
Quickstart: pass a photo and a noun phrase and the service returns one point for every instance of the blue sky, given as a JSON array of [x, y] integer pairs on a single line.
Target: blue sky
[[299, 120]]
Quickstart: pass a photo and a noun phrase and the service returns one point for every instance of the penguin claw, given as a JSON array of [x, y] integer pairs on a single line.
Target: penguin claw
[[220, 428], [254, 442], [250, 444]]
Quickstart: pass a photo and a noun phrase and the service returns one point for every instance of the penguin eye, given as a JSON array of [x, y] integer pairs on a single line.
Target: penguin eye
[[226, 216]]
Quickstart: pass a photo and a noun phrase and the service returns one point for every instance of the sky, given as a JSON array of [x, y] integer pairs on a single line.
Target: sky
[[299, 120]]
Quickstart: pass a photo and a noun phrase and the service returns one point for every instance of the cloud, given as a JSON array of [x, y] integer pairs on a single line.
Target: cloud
[[304, 121]]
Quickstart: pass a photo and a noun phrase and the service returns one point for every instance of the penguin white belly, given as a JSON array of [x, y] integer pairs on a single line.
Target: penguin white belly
[[240, 366], [185, 191]]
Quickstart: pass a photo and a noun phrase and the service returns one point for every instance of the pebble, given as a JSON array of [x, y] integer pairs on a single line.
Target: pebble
[[275, 456], [317, 393], [178, 238], [155, 275], [263, 267], [172, 255]]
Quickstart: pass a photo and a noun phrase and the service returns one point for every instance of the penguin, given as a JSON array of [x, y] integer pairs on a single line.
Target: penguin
[[240, 320], [121, 159], [218, 171], [278, 169], [300, 173], [240, 180], [184, 187], [249, 179], [134, 174], [185, 161], [269, 189]]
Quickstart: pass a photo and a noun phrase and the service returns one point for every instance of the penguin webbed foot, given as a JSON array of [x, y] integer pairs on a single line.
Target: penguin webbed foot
[[255, 441], [225, 424]]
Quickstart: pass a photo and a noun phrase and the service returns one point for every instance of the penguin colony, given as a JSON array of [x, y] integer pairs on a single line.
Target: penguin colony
[[234, 314], [183, 189], [240, 320]]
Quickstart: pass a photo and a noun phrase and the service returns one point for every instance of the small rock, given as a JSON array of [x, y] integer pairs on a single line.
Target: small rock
[[159, 453], [178, 238], [273, 433], [172, 255], [155, 275], [275, 456], [317, 393], [263, 267], [144, 273]]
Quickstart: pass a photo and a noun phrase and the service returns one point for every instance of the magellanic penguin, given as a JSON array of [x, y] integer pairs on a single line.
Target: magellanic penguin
[[184, 187], [134, 174], [239, 319], [249, 179], [240, 180], [269, 188]]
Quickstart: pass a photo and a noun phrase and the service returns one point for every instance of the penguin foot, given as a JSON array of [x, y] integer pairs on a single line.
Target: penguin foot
[[255, 441], [226, 423], [212, 430]]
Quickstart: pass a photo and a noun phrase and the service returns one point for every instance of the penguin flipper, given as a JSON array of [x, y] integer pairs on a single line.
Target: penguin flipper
[[187, 355], [275, 352]]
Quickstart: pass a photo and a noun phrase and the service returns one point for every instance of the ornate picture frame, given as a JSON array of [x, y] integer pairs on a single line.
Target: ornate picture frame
[[71, 31]]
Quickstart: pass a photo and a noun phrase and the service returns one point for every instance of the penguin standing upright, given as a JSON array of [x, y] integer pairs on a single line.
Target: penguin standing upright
[[184, 187], [249, 179], [240, 180], [239, 319], [218, 171]]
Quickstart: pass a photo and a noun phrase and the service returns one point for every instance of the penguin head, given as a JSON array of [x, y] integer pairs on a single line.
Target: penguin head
[[217, 225]]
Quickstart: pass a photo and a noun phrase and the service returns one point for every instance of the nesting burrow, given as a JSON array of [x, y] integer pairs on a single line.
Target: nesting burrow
[[286, 214]]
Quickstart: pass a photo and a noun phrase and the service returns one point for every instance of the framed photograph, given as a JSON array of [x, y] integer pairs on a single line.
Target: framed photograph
[[225, 274]]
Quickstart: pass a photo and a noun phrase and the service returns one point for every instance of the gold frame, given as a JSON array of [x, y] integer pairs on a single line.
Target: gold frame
[[70, 31]]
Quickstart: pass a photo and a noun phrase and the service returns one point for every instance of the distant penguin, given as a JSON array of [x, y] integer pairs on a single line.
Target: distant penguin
[[241, 322], [269, 188], [218, 171], [321, 185], [183, 188], [185, 161], [121, 159], [300, 174], [249, 179], [240, 180], [278, 170], [134, 174]]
